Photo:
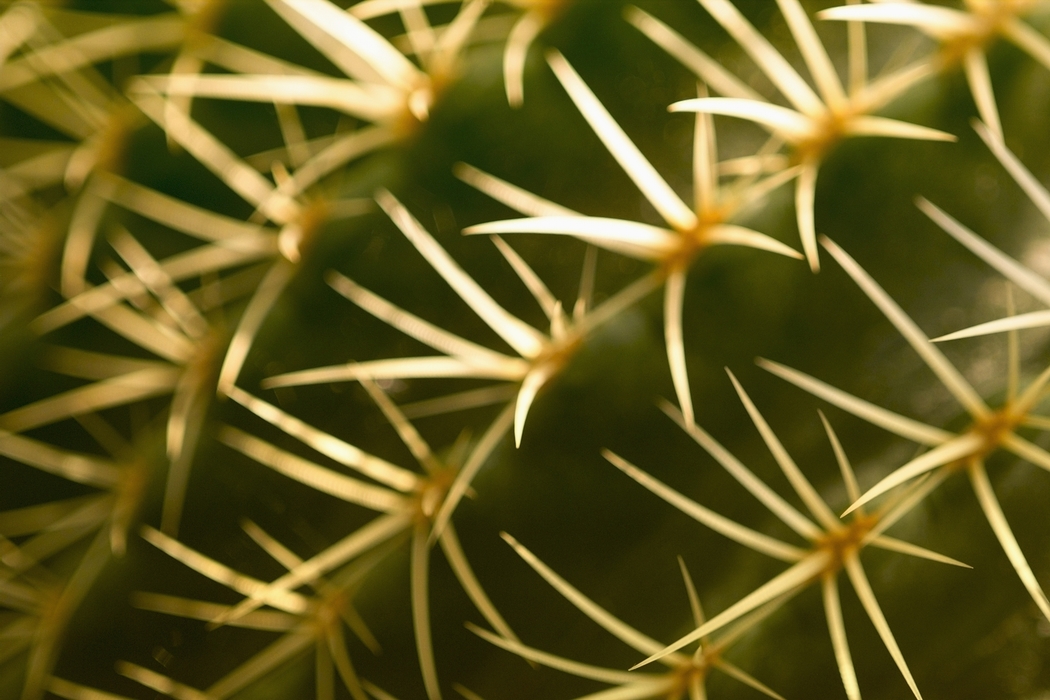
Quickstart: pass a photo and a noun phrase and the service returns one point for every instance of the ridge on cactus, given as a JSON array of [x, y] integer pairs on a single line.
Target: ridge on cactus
[[220, 481]]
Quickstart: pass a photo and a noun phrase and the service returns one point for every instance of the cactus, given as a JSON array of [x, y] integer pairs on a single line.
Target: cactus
[[331, 330]]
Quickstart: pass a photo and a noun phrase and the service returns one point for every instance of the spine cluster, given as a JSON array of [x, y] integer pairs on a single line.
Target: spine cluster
[[304, 308]]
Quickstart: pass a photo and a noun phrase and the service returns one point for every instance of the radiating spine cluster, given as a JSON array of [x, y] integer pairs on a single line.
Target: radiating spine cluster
[[160, 302]]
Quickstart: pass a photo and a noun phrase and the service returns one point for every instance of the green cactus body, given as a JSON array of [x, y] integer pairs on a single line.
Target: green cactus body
[[272, 426]]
